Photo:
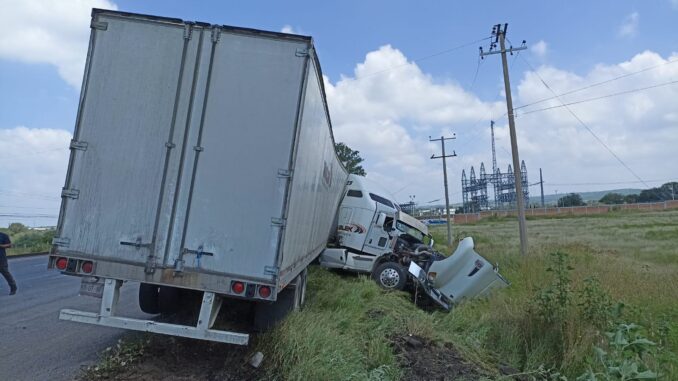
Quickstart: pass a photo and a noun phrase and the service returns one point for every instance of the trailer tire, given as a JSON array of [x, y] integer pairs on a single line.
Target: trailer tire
[[148, 298], [391, 276], [292, 298]]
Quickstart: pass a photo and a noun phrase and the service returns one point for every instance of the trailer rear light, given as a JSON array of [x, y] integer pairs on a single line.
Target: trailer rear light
[[61, 263], [264, 291], [237, 287], [87, 267]]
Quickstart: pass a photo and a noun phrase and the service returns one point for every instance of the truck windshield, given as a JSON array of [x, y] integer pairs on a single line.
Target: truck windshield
[[407, 229]]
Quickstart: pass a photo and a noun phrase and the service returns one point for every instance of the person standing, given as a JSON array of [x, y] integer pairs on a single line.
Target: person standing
[[5, 243]]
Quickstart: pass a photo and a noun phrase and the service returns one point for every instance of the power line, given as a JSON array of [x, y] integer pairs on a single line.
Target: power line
[[611, 183], [601, 97], [423, 58], [28, 195], [597, 84], [585, 125]]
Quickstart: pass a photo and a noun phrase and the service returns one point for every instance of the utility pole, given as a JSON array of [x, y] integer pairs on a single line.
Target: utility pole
[[500, 36], [541, 185], [447, 197]]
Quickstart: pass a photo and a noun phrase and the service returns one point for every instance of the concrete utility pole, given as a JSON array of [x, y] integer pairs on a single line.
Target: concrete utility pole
[[447, 197], [500, 36], [541, 185]]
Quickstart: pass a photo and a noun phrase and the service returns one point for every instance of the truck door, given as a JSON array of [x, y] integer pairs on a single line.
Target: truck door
[[377, 239]]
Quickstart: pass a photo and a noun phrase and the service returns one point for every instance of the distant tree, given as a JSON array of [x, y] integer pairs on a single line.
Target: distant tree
[[651, 195], [350, 158], [612, 198], [631, 198], [17, 227], [670, 190], [572, 199]]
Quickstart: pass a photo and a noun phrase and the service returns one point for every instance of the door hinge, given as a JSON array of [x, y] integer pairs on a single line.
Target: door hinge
[[82, 146], [170, 145], [278, 222], [188, 31], [301, 52], [70, 193], [216, 34], [285, 173], [99, 25], [61, 241], [198, 148], [271, 270]]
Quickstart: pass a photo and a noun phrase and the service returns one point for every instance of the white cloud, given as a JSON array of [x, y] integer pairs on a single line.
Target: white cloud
[[630, 26], [292, 30], [641, 128], [49, 31], [33, 170], [388, 115], [540, 49]]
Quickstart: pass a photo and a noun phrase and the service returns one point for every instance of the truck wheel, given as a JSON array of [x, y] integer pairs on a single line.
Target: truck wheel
[[391, 276], [148, 298], [292, 298]]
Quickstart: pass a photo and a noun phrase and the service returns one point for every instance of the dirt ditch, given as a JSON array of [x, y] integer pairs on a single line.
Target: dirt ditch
[[425, 360], [177, 359]]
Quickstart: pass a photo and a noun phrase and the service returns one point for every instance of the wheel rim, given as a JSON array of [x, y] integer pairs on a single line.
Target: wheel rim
[[389, 278]]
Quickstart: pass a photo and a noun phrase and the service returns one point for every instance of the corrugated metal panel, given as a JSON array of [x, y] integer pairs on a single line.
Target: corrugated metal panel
[[317, 186], [125, 119]]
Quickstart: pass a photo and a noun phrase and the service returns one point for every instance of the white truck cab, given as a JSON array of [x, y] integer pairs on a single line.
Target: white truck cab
[[369, 222]]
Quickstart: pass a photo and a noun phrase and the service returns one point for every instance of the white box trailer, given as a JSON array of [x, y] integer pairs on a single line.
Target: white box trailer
[[202, 159]]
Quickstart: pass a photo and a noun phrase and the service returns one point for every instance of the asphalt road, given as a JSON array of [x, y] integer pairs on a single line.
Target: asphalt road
[[34, 343]]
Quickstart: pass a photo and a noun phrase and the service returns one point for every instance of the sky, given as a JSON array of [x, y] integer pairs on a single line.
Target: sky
[[396, 73]]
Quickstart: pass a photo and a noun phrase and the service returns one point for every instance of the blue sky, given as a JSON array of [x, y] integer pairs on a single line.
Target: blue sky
[[571, 43]]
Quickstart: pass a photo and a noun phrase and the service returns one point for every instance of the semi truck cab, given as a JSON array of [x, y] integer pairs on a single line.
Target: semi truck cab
[[369, 223]]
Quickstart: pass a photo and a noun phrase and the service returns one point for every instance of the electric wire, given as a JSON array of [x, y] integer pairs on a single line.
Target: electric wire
[[597, 84], [600, 97], [581, 122], [422, 58]]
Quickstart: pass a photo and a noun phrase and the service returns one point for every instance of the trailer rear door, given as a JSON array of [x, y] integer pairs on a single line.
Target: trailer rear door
[[121, 141], [240, 156]]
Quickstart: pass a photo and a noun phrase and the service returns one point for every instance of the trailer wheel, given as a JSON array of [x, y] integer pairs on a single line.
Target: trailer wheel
[[391, 276], [148, 298], [292, 298]]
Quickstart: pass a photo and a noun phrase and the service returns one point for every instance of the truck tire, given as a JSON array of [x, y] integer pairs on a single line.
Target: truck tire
[[292, 298], [391, 276], [148, 298]]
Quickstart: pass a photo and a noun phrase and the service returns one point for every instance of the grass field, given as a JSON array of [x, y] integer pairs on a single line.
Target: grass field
[[349, 325]]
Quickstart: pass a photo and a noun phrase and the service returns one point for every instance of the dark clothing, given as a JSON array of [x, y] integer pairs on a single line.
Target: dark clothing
[[4, 266], [4, 240]]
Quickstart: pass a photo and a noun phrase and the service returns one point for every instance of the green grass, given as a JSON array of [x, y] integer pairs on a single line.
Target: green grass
[[29, 241], [348, 324]]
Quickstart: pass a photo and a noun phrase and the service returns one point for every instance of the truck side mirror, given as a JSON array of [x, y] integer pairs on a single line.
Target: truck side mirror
[[380, 220]]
